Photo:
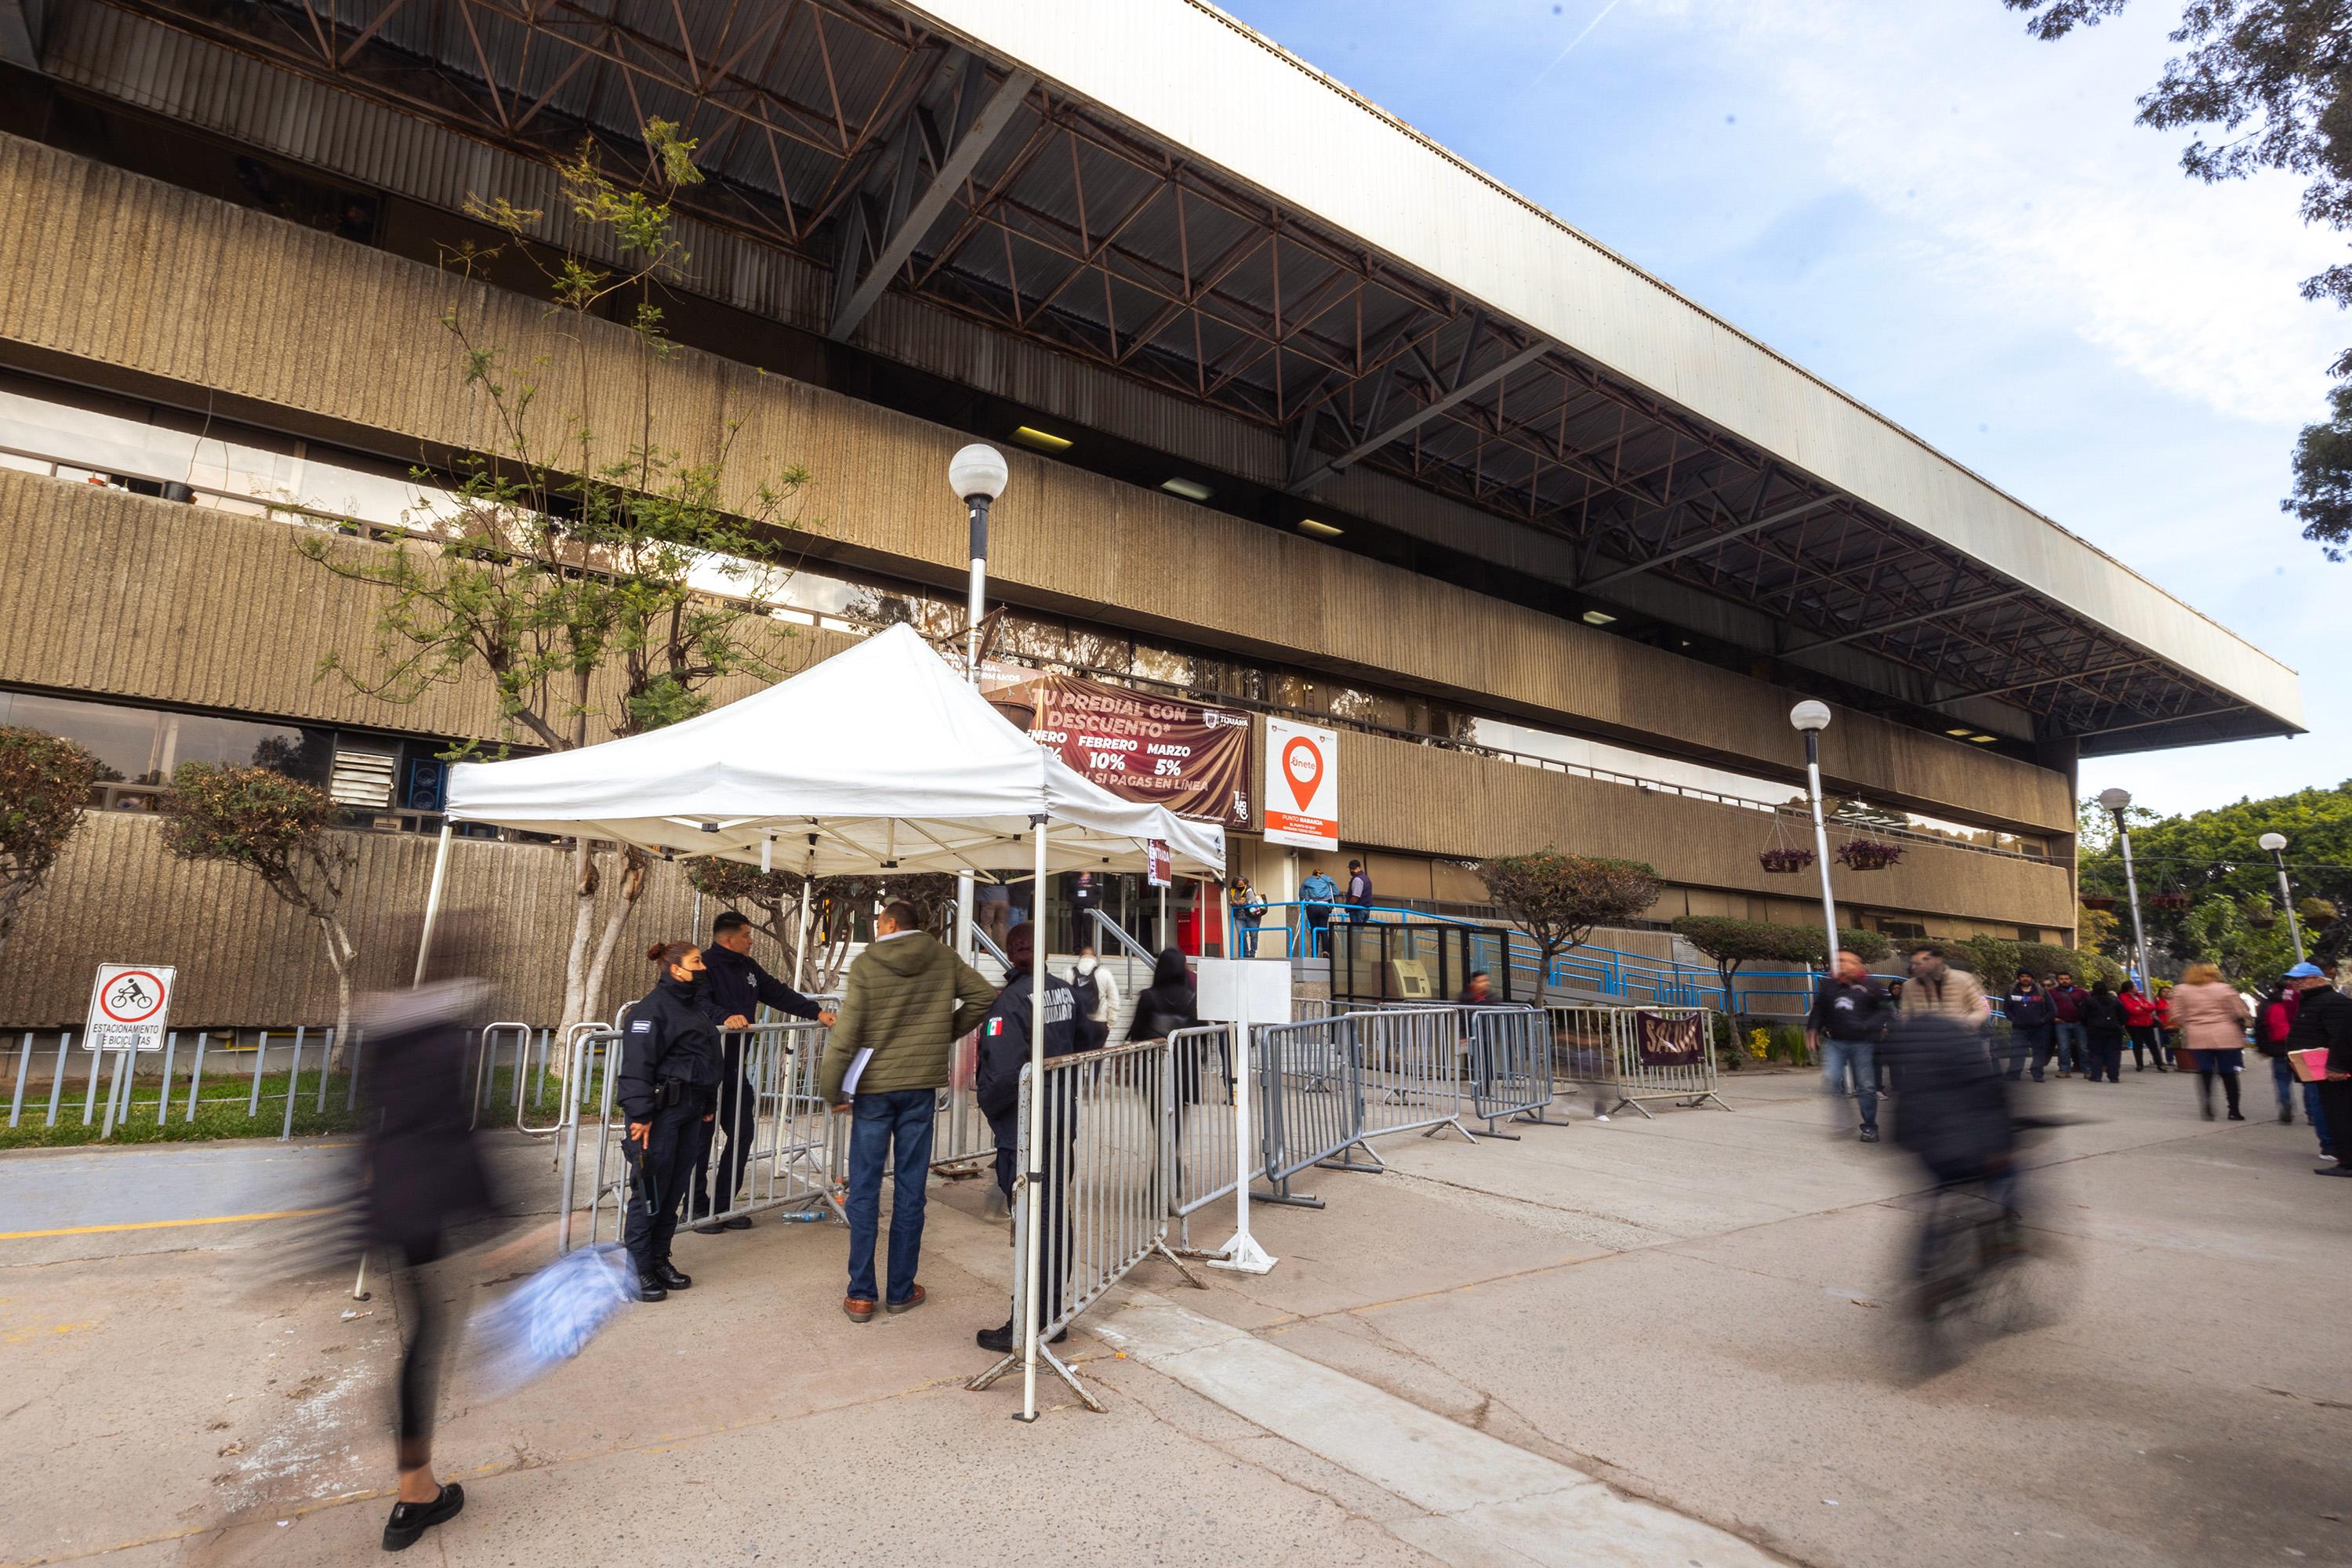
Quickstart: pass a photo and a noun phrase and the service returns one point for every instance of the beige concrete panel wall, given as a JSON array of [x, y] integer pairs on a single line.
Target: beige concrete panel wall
[[125, 272], [116, 594], [247, 959], [1390, 791]]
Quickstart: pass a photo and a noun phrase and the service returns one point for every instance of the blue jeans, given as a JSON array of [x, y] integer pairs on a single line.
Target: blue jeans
[[1860, 1057], [893, 1121], [2073, 1048]]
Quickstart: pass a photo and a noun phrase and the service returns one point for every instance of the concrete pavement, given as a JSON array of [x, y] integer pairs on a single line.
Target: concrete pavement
[[1693, 1312]]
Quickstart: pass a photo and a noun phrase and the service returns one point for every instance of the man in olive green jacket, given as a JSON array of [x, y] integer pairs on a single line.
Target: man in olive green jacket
[[907, 1001]]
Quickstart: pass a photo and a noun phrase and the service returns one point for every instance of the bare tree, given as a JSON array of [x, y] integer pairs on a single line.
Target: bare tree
[[600, 582]]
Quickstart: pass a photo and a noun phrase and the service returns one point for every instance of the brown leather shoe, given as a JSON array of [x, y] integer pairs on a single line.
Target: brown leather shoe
[[859, 1309], [915, 1300]]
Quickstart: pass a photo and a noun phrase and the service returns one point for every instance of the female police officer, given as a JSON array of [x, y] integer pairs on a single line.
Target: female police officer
[[669, 1073]]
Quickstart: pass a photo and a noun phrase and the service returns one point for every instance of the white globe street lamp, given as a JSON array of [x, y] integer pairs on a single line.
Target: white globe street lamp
[[1810, 718], [2276, 844], [978, 476]]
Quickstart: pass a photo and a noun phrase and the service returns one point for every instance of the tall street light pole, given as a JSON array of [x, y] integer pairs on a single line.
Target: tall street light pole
[[1811, 719], [976, 475], [2117, 801], [2276, 844]]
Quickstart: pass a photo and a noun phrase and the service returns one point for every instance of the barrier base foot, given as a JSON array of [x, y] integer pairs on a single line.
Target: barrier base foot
[[1540, 1119], [1494, 1131], [1637, 1105], [1455, 1124], [1177, 1263], [1243, 1255], [1346, 1160], [1292, 1200]]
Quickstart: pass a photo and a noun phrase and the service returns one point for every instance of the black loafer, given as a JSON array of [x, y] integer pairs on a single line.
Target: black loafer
[[739, 1222], [410, 1520], [671, 1277]]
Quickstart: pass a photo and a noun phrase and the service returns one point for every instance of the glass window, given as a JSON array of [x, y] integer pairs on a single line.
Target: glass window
[[123, 740], [239, 742]]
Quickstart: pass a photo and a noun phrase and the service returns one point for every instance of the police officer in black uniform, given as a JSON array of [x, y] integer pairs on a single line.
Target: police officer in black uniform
[[996, 1085], [733, 988], [669, 1072]]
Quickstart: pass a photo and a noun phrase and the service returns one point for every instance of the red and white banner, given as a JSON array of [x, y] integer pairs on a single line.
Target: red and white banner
[[1302, 786]]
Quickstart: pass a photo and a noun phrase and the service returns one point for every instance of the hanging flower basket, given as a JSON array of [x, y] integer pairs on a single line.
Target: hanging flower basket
[[1784, 860], [2098, 900], [1869, 854], [2170, 902]]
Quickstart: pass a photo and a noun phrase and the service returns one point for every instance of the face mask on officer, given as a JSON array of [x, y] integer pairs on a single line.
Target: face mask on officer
[[686, 972]]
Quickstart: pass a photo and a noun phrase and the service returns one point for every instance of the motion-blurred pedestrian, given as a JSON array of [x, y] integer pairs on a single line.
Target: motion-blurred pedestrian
[[1938, 987], [424, 1174]]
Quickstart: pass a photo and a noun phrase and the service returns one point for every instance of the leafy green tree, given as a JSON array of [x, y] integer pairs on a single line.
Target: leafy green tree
[[2206, 886], [600, 583], [1732, 943], [2272, 76], [43, 783], [283, 831], [1558, 898]]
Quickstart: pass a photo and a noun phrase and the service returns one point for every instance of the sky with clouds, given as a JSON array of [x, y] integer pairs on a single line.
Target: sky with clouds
[[1960, 226]]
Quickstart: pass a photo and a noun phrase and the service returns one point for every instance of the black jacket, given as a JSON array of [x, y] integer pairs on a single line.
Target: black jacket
[[735, 986], [1005, 1044], [1162, 1010], [667, 1036], [2027, 1009], [1850, 1010], [1952, 1112], [2103, 1017], [2324, 1018]]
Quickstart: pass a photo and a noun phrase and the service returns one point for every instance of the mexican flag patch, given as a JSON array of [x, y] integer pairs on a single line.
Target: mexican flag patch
[[996, 1029]]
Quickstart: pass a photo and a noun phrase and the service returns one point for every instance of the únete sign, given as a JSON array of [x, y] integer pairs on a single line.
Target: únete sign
[[128, 1006], [1302, 786]]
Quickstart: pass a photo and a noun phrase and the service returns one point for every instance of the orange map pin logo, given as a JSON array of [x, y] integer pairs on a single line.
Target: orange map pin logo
[[1302, 765]]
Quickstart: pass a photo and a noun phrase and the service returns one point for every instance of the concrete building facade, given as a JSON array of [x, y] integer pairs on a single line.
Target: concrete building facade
[[220, 332]]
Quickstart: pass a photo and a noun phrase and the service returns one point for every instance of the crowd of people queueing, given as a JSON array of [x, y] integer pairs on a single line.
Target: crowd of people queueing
[[2202, 1025]]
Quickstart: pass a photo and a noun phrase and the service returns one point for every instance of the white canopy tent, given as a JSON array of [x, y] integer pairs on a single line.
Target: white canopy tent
[[881, 758]]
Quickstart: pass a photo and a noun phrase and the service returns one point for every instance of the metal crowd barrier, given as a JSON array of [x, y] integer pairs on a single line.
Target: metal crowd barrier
[[1656, 1053], [1103, 1206], [796, 1148], [1510, 1066], [1314, 1103], [1204, 1166], [1409, 1070], [126, 1102]]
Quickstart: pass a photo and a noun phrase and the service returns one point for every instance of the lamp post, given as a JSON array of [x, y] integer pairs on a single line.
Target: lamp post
[[976, 475], [2115, 801], [1811, 718], [2276, 844]]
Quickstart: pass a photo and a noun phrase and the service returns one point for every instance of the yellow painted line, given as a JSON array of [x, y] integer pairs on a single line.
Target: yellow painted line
[[160, 1223]]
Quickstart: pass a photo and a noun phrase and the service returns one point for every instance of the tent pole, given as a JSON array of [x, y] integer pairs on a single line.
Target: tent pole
[[799, 955], [433, 902], [1033, 1184]]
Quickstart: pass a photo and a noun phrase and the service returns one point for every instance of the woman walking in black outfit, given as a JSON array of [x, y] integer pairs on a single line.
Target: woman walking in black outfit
[[2103, 1025], [424, 1175]]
